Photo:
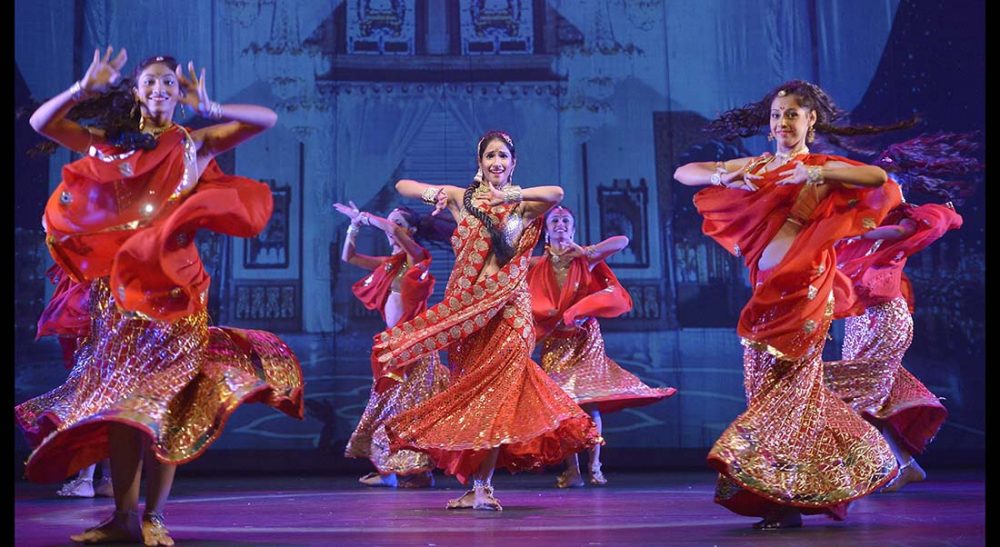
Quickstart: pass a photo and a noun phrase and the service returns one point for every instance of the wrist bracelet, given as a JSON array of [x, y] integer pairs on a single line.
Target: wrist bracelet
[[512, 194], [815, 175], [77, 92], [430, 194]]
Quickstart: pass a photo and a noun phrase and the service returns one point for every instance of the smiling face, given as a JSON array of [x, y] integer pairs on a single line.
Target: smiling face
[[790, 122], [559, 225], [497, 162], [158, 91]]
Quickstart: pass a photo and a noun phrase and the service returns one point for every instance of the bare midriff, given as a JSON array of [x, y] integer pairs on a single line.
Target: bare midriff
[[805, 203]]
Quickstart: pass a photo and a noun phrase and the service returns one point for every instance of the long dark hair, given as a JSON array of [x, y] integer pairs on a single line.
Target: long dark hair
[[116, 111], [428, 228], [944, 165], [747, 120], [501, 249]]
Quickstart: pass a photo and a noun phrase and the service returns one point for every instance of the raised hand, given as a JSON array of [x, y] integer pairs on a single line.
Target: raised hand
[[350, 210], [104, 71], [440, 203], [193, 90]]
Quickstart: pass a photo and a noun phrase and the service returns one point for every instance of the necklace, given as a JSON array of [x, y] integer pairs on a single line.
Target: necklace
[[785, 156], [155, 131], [767, 157], [559, 260]]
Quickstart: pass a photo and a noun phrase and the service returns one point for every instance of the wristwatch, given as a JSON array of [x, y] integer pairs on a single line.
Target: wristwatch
[[716, 178]]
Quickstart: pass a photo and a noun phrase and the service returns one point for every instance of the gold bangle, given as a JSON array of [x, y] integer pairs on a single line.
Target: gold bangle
[[512, 194], [430, 194], [815, 175]]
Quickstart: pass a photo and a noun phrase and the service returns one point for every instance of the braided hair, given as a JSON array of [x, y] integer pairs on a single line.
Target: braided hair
[[501, 249], [116, 111], [747, 120]]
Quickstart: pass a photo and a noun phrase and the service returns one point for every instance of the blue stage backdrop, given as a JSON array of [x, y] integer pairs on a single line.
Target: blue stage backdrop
[[604, 97]]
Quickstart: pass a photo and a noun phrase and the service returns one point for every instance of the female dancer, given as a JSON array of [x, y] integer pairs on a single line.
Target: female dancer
[[398, 286], [797, 449], [150, 375], [571, 286], [501, 410], [879, 328], [871, 377]]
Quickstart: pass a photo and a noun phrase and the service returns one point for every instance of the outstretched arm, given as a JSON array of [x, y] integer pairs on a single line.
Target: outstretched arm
[[49, 120], [835, 172], [892, 231], [440, 196], [536, 201], [349, 254]]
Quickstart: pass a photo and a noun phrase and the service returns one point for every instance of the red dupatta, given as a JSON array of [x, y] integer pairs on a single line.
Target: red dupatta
[[132, 217], [791, 300], [585, 293], [469, 302], [417, 284], [876, 266]]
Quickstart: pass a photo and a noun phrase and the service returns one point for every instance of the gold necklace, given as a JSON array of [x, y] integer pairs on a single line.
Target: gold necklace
[[154, 131], [786, 156], [559, 260], [767, 158]]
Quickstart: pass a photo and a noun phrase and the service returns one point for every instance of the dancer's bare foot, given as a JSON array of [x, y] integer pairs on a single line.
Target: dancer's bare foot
[[908, 472], [121, 526], [374, 479], [77, 488], [465, 501], [786, 517], [484, 500], [420, 480], [154, 530], [569, 479], [596, 476]]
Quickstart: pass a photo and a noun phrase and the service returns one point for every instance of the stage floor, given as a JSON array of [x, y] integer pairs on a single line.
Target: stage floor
[[634, 509]]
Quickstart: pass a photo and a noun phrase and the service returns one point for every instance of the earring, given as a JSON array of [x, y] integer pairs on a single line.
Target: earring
[[142, 123], [770, 137], [546, 237], [811, 135]]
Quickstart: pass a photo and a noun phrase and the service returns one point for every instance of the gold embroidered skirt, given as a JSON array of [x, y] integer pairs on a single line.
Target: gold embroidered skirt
[[424, 379], [498, 398], [576, 360], [176, 382], [871, 377], [797, 444]]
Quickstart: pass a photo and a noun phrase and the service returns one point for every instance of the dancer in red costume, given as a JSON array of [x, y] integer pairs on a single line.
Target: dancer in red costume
[[501, 409], [871, 377], [398, 287], [570, 287], [797, 449], [879, 327], [150, 376]]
